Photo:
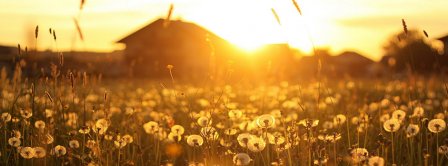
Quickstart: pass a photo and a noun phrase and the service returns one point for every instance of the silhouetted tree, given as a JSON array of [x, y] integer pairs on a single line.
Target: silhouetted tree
[[411, 51]]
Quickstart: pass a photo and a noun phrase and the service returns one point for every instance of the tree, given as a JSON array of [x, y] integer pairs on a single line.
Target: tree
[[412, 51]]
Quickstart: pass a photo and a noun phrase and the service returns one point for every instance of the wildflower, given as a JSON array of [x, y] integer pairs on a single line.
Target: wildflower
[[399, 114], [6, 117], [243, 139], [39, 124], [48, 113], [15, 120], [174, 137], [204, 121], [376, 161], [120, 143], [391, 125], [27, 152], [436, 125], [439, 115], [209, 133], [84, 130], [333, 137], [309, 123], [73, 144], [151, 127], [339, 119], [60, 150], [230, 131], [327, 125], [108, 137], [256, 144], [359, 155], [385, 103], [14, 141], [418, 112], [48, 139], [412, 130], [362, 127], [443, 149], [373, 107], [26, 113], [177, 130], [266, 121], [101, 126], [241, 159], [17, 133], [195, 140], [321, 160], [90, 144], [275, 139], [39, 152], [128, 138]]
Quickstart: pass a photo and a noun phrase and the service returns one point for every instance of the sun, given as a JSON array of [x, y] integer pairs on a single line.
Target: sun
[[251, 25]]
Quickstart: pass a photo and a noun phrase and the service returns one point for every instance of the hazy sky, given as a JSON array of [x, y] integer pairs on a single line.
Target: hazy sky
[[359, 25]]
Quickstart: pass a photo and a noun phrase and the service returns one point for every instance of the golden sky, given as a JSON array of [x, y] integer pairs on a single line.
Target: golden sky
[[358, 25]]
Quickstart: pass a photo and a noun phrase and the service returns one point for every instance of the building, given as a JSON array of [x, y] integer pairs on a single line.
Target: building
[[444, 39], [345, 64], [191, 49]]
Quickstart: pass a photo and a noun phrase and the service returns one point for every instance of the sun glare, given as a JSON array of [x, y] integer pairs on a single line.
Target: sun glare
[[253, 25]]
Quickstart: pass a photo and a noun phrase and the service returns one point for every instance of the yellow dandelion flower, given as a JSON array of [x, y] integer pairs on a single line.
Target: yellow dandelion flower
[[27, 152], [241, 159], [391, 125], [195, 140], [436, 125]]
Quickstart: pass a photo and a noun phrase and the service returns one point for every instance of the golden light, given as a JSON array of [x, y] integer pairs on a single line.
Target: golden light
[[256, 25]]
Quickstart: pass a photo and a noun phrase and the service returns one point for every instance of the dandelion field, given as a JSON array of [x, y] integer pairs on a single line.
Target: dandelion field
[[79, 119], [62, 116]]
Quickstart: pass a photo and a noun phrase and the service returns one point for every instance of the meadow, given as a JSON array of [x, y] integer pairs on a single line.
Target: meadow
[[59, 116], [74, 118]]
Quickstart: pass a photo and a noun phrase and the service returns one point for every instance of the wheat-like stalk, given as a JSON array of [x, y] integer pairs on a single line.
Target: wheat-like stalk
[[297, 6], [405, 27], [36, 31], [78, 28], [81, 4], [168, 17], [425, 33], [276, 16]]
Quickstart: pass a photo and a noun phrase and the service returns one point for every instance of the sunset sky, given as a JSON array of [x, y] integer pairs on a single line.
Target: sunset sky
[[358, 25]]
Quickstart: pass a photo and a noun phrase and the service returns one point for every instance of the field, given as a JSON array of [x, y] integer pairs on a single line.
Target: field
[[176, 94], [80, 119]]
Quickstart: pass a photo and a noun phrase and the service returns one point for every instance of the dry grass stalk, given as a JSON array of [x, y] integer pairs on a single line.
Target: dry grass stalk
[[54, 35], [426, 33], [276, 16], [297, 6], [405, 27], [49, 96], [82, 4], [168, 17], [78, 28], [36, 31]]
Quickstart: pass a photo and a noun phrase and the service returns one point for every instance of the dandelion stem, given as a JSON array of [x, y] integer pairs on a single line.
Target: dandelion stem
[[393, 152]]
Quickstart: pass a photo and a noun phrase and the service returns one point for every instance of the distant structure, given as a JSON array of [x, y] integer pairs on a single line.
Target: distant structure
[[444, 39], [345, 64], [190, 48]]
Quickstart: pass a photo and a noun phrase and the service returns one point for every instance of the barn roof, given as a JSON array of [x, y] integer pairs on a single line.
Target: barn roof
[[187, 28], [444, 38]]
